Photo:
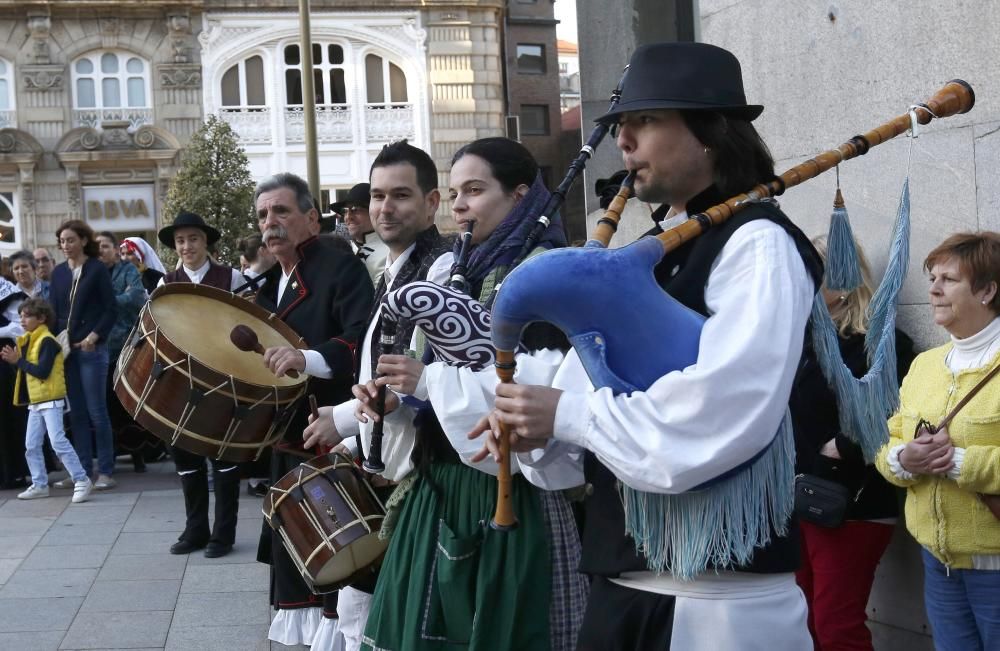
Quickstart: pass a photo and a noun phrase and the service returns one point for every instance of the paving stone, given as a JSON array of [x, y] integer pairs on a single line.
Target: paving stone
[[155, 521], [44, 615], [18, 546], [124, 596], [234, 608], [96, 514], [220, 638], [108, 498], [244, 552], [16, 526], [62, 534], [143, 568], [122, 630], [75, 556], [144, 543], [48, 583], [49, 507], [34, 640], [251, 577], [7, 567]]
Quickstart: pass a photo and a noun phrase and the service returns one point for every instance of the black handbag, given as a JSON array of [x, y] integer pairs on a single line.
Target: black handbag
[[820, 501]]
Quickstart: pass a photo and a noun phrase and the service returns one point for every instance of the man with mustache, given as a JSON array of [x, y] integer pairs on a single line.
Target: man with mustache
[[325, 294]]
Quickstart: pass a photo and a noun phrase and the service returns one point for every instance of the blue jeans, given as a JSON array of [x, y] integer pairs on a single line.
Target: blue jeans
[[39, 421], [86, 384], [963, 606]]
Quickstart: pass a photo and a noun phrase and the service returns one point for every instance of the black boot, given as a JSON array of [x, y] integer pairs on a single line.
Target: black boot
[[196, 532], [227, 504]]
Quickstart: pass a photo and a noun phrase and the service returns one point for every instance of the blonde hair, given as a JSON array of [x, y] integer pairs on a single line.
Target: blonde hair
[[850, 315]]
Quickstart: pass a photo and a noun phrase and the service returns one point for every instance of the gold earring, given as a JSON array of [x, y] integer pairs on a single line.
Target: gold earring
[[708, 150]]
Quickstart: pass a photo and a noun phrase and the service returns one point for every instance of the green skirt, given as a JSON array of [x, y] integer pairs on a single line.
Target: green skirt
[[450, 582]]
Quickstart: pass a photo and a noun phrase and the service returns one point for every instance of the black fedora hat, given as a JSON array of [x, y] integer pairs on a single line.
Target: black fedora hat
[[359, 195], [187, 220], [683, 76]]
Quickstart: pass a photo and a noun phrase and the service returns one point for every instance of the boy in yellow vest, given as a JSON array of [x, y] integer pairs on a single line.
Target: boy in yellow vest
[[41, 385]]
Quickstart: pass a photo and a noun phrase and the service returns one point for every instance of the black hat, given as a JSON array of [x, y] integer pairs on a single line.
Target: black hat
[[359, 195], [187, 220], [684, 76]]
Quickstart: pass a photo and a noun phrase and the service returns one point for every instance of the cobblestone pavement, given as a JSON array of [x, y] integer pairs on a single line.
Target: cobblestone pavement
[[99, 575]]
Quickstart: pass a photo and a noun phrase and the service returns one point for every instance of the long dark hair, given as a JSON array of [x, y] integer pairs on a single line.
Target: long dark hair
[[511, 163], [83, 230], [742, 159]]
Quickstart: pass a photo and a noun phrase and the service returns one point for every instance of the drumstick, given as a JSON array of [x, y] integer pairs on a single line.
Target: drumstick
[[313, 409], [244, 338]]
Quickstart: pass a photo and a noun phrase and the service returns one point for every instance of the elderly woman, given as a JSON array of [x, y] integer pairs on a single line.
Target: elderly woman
[[24, 269], [950, 474], [138, 251]]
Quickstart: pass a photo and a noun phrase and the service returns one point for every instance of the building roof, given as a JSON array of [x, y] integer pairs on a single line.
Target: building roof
[[566, 47], [572, 119]]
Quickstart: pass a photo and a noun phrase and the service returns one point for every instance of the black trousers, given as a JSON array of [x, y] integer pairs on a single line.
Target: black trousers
[[622, 619], [194, 480]]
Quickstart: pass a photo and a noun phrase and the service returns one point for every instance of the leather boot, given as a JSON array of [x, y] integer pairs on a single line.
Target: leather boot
[[196, 531], [227, 504]]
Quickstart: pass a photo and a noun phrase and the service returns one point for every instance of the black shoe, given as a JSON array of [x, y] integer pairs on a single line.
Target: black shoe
[[216, 550], [185, 547], [257, 490]]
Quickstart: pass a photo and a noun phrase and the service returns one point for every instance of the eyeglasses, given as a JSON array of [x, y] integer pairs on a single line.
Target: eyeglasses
[[355, 209]]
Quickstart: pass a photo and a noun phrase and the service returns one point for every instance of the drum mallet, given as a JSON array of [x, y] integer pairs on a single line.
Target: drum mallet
[[244, 338]]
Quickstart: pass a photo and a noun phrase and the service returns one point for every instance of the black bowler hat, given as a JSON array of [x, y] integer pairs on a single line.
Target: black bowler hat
[[359, 195], [683, 76], [187, 220]]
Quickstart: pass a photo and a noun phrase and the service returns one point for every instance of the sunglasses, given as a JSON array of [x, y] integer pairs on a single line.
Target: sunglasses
[[923, 426]]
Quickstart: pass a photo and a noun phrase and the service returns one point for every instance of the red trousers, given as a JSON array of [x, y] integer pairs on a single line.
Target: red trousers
[[838, 568]]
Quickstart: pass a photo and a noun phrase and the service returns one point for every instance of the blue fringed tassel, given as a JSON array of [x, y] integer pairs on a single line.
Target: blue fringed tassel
[[719, 526], [865, 404], [843, 271]]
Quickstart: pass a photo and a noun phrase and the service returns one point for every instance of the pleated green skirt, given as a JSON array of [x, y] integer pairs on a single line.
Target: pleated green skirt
[[450, 582]]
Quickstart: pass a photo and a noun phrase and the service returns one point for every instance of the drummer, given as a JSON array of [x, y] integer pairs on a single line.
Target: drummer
[[191, 237]]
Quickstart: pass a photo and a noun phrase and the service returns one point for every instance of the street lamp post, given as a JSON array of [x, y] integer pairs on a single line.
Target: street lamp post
[[309, 101]]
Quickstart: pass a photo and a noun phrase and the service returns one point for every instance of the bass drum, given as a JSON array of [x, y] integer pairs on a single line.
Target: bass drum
[[328, 517], [180, 377]]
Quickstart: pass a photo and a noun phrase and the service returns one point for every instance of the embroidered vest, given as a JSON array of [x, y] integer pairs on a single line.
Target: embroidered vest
[[219, 276]]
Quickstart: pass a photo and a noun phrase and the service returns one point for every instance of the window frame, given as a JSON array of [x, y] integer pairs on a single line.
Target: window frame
[[546, 110], [8, 76], [15, 223], [517, 59], [241, 80], [123, 76], [325, 67]]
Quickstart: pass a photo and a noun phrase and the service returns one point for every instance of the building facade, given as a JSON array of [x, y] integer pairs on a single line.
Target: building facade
[[98, 99]]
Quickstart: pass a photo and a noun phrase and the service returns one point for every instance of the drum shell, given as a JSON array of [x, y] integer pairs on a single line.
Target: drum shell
[[266, 410], [299, 501]]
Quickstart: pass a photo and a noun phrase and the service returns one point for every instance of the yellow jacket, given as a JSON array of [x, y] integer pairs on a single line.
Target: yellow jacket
[[945, 515], [51, 388]]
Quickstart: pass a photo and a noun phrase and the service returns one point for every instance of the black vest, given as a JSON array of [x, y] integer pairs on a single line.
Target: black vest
[[218, 276], [683, 273]]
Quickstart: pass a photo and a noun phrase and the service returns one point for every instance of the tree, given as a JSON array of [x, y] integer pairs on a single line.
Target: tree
[[214, 181]]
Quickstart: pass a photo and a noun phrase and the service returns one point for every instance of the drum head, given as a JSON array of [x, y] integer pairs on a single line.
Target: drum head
[[358, 555], [200, 325]]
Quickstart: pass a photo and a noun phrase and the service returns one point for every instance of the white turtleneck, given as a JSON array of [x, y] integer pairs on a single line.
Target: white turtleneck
[[975, 351]]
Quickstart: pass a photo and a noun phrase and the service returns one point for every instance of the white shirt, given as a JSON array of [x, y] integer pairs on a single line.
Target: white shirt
[[693, 424], [399, 434], [374, 253]]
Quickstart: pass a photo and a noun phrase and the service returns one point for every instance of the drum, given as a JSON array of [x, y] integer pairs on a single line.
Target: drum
[[328, 517], [180, 377]]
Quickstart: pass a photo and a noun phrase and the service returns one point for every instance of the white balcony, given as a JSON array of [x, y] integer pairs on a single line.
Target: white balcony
[[389, 122], [334, 124], [251, 124], [93, 117], [8, 119]]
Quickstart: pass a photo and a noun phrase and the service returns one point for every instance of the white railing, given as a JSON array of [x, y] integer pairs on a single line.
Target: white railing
[[389, 122], [8, 119], [251, 124], [93, 118], [333, 124]]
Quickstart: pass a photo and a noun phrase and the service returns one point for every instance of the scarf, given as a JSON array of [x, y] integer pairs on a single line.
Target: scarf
[[505, 242], [144, 251]]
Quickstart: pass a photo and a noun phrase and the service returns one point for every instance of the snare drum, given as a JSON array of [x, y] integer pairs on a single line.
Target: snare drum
[[181, 378], [328, 517]]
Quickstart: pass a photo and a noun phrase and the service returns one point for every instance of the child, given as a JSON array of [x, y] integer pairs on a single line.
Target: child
[[42, 386]]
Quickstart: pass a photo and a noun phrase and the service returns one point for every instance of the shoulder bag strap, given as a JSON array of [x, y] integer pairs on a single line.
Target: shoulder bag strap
[[969, 396]]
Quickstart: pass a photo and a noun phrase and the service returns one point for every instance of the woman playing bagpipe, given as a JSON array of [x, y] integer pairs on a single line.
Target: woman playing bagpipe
[[448, 578]]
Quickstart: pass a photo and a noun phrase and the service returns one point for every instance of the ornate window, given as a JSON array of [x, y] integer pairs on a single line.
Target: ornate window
[[111, 85], [333, 115], [244, 101], [8, 220], [388, 115], [8, 117]]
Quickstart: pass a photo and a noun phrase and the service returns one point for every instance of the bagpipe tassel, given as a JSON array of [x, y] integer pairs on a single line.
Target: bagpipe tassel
[[843, 272]]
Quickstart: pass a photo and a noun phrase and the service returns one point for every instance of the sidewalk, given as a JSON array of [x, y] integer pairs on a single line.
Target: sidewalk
[[98, 575]]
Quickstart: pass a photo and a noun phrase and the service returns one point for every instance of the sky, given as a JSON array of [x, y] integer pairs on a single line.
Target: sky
[[566, 15]]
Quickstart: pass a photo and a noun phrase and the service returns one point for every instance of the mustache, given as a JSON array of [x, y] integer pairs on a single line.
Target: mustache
[[279, 232]]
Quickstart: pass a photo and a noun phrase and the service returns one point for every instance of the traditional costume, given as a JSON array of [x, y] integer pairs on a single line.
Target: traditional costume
[[151, 269], [370, 249], [326, 299]]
